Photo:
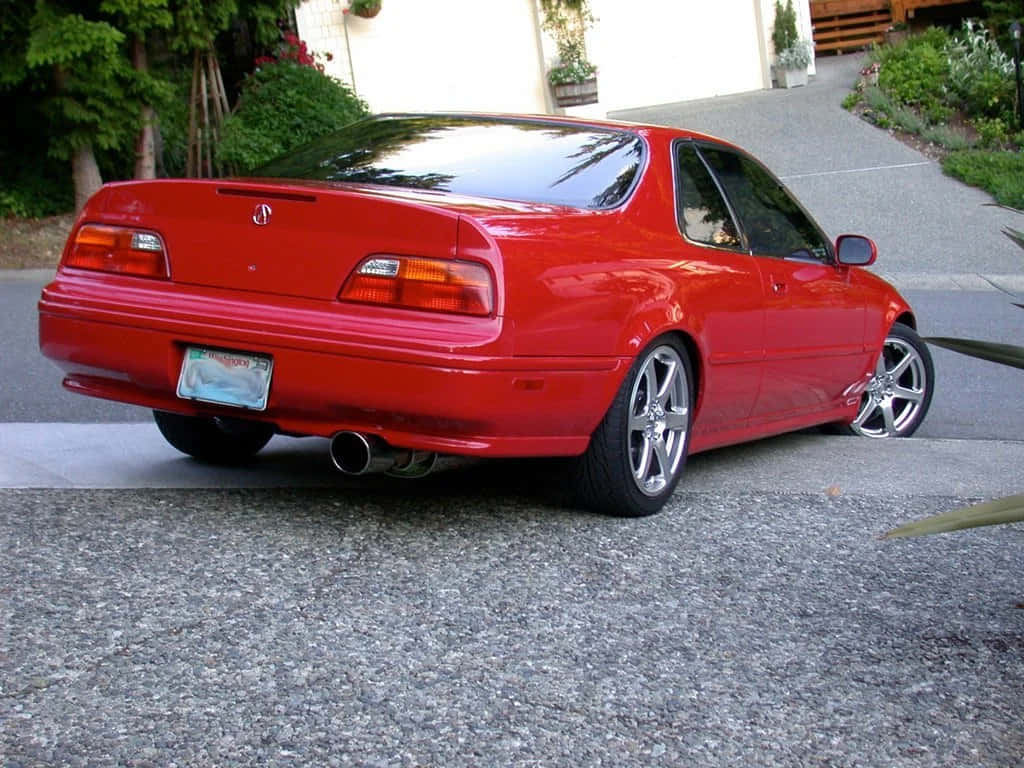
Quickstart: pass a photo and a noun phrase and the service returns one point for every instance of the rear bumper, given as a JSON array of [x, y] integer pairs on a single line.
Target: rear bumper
[[428, 393]]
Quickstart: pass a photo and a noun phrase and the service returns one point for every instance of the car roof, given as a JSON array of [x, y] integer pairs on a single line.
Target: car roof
[[647, 130]]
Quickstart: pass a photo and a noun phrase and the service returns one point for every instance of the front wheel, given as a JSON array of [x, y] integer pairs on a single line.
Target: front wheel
[[213, 440], [898, 395], [636, 454]]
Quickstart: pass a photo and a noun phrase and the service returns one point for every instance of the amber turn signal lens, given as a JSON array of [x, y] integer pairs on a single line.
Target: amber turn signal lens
[[437, 285], [120, 250]]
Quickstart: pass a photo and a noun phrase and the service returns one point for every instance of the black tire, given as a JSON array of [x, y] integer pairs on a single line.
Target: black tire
[[900, 391], [622, 473], [215, 441]]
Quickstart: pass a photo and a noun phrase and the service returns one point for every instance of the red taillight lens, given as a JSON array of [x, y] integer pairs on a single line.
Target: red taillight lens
[[439, 285], [121, 250]]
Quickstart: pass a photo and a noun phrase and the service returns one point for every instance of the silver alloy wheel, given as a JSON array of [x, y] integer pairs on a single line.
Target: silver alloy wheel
[[896, 393], [659, 416]]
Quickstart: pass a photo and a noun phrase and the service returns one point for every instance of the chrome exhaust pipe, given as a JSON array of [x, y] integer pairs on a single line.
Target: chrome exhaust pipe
[[354, 453]]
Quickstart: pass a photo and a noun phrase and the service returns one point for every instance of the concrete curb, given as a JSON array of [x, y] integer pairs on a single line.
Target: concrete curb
[[136, 456]]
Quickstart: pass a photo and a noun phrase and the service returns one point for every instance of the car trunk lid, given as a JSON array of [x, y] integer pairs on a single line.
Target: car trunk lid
[[272, 237]]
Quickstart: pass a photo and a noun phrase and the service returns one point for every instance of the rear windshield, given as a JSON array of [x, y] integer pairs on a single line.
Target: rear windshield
[[530, 161]]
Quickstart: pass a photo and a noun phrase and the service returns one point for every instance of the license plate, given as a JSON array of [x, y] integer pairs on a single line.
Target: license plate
[[240, 379]]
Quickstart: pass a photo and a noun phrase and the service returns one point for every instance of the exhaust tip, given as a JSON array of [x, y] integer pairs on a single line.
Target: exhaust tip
[[351, 453]]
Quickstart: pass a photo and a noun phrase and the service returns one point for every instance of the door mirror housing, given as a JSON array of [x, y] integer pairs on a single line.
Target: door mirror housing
[[856, 251]]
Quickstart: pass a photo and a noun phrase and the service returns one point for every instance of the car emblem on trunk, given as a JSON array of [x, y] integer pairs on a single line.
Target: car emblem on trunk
[[261, 214]]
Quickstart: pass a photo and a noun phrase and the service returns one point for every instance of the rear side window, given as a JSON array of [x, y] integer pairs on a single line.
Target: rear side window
[[523, 160], [703, 214], [772, 220]]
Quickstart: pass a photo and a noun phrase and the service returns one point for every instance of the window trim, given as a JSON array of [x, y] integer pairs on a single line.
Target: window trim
[[744, 246], [829, 245]]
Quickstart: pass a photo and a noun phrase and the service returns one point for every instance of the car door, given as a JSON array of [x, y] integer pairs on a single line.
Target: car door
[[724, 296], [814, 316]]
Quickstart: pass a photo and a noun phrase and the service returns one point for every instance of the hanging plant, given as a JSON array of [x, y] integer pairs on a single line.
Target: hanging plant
[[367, 9], [567, 22]]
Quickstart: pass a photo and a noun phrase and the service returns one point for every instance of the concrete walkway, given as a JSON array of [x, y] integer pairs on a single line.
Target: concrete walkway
[[932, 231]]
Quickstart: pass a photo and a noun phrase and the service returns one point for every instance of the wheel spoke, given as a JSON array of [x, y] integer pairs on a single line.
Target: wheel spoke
[[866, 412], [667, 388], [644, 465], [887, 416], [880, 365], [677, 419], [651, 377], [664, 462], [637, 421], [913, 395], [900, 368]]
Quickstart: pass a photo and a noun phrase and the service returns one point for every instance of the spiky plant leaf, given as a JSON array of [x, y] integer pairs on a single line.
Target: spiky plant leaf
[[1008, 510], [1014, 234], [1006, 354]]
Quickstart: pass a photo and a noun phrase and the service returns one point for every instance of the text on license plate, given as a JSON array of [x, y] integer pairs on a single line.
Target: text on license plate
[[217, 376]]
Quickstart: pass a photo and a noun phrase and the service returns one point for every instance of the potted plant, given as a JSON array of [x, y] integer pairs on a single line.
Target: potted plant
[[574, 78], [365, 8], [792, 55]]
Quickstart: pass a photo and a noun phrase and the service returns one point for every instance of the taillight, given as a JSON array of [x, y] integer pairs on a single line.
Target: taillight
[[122, 250], [439, 285]]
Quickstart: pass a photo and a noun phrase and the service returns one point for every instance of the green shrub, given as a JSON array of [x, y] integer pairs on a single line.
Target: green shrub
[[981, 78], [284, 105], [853, 98], [946, 137], [907, 120], [992, 132], [915, 72], [1001, 174], [33, 185]]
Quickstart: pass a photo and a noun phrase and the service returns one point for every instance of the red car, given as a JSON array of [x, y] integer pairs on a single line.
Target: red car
[[487, 286]]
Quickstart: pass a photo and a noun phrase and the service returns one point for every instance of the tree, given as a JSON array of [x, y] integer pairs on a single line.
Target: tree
[[138, 19], [91, 105]]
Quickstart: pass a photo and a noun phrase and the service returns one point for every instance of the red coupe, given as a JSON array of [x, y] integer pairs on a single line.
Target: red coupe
[[487, 286]]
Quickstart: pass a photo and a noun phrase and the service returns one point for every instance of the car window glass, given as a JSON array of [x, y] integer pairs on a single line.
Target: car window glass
[[507, 159], [771, 219], [703, 214]]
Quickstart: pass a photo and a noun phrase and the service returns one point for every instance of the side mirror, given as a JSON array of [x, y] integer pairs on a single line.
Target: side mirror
[[856, 251]]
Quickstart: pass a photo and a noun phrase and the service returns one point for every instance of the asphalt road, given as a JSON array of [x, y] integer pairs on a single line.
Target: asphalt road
[[279, 615]]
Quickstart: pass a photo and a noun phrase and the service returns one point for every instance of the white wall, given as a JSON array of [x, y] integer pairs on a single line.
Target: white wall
[[450, 55], [490, 55]]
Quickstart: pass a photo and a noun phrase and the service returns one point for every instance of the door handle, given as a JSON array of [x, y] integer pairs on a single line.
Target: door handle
[[778, 289]]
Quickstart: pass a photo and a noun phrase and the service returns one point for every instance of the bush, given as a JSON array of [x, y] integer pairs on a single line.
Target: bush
[[981, 78], [946, 137], [915, 72], [282, 106], [1001, 174], [34, 192]]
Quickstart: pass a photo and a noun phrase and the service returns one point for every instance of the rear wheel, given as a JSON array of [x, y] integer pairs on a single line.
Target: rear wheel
[[213, 440], [900, 390], [636, 455]]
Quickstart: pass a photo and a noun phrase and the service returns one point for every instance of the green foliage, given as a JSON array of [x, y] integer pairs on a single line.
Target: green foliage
[[790, 51], [907, 120], [915, 72], [567, 21], [91, 104], [946, 137], [993, 133], [852, 99], [797, 56], [1000, 511], [1001, 173], [784, 33], [32, 188], [999, 15], [1008, 510], [284, 105], [981, 78]]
